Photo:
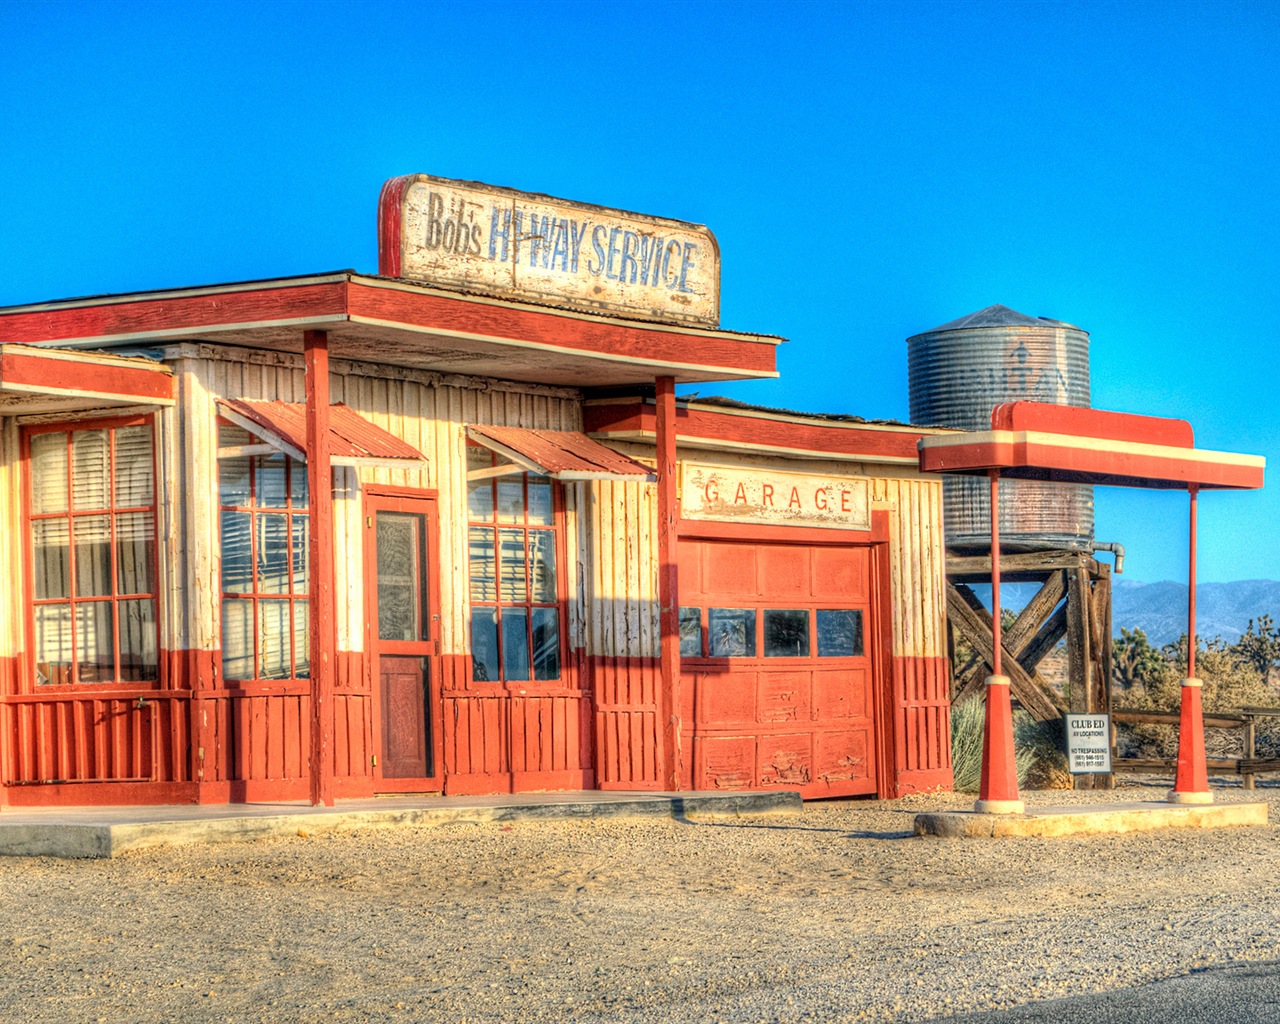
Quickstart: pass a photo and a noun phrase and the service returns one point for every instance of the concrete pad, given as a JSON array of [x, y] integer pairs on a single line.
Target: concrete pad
[[107, 832], [1087, 819]]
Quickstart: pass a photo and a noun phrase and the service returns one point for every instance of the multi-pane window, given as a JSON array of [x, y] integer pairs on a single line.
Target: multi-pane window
[[515, 601], [93, 553], [265, 562], [777, 632]]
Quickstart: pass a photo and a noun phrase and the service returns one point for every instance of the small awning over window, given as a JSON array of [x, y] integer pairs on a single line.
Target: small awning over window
[[353, 440], [560, 454]]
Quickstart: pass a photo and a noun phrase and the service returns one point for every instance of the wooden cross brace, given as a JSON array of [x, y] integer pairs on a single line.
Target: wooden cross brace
[[1035, 632]]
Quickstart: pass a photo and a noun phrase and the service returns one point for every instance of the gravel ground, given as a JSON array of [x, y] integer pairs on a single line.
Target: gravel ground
[[833, 914]]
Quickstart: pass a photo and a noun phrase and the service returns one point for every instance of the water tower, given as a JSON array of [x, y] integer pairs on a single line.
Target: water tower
[[958, 373]]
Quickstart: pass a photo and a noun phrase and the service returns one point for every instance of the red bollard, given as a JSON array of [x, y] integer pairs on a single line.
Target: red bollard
[[1191, 786], [998, 793]]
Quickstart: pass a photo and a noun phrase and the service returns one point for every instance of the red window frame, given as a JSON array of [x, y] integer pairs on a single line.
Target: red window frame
[[111, 511], [289, 512], [557, 530]]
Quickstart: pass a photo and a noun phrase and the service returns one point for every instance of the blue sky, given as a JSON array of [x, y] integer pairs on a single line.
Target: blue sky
[[870, 170]]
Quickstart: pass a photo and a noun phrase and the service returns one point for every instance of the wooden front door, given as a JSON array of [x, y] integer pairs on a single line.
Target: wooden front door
[[404, 628]]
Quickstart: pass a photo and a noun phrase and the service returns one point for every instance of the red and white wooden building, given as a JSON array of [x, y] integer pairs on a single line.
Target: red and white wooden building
[[449, 529]]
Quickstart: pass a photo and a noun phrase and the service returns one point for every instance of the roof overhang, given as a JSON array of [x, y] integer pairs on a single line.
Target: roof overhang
[[390, 321], [1038, 441], [714, 426], [353, 440], [566, 455], [35, 380]]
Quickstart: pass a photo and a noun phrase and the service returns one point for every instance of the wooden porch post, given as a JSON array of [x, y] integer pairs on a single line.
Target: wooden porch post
[[315, 348], [668, 586]]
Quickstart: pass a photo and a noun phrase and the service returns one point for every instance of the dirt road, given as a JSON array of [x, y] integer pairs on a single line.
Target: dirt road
[[834, 914]]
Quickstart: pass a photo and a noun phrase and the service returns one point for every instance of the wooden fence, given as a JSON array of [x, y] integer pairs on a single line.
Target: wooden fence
[[1247, 766]]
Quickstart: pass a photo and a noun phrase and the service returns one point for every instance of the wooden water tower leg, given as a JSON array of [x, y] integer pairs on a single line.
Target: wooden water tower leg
[[1079, 674], [1101, 615]]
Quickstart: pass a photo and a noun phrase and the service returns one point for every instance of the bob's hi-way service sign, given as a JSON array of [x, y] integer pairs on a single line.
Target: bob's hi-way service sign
[[518, 245]]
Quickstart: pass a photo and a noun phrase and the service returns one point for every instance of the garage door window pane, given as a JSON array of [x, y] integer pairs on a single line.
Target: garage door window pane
[[839, 633], [691, 632], [732, 632], [786, 633]]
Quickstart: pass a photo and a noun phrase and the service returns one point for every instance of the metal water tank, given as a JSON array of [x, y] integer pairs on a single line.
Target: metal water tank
[[962, 370]]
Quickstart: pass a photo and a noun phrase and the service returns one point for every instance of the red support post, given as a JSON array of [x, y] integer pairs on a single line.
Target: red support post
[[1191, 784], [668, 583], [315, 347], [998, 792]]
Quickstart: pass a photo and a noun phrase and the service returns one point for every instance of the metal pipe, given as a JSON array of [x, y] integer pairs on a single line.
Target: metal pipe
[[1116, 549]]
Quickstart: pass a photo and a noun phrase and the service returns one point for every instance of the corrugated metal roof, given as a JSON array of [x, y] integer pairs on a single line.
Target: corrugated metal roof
[[352, 438], [562, 454], [999, 316]]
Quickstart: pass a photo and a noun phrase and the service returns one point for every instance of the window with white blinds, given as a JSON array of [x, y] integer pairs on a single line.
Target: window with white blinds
[[266, 563], [92, 518]]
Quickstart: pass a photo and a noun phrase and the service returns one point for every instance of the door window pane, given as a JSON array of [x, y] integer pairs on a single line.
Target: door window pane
[[731, 632], [399, 576], [691, 632], [786, 633], [839, 633]]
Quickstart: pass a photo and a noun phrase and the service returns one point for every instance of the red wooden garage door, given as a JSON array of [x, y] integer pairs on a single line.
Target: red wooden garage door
[[776, 666]]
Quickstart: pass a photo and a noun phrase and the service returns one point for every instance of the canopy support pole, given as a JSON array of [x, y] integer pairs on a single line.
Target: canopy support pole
[[1191, 785], [998, 793]]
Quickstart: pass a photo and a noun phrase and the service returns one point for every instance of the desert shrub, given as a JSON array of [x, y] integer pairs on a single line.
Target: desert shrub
[[967, 720]]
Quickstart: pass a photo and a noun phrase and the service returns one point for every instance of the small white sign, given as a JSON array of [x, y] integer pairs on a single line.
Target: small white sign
[[1088, 744]]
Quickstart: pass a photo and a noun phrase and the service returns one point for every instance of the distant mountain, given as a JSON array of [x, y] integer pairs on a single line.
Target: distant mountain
[[1222, 609]]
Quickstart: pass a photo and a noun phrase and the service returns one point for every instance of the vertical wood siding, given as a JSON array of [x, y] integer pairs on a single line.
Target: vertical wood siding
[[621, 632], [920, 676]]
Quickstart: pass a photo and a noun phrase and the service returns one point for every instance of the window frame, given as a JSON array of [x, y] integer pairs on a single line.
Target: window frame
[[28, 681], [291, 598], [557, 529]]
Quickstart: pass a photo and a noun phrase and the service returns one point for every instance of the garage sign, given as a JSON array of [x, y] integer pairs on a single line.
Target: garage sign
[[732, 495], [524, 246]]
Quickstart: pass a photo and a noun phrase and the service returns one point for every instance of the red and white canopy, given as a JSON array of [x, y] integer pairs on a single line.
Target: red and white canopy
[[1040, 441]]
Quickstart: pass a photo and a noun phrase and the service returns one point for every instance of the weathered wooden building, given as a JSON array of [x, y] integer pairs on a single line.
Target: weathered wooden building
[[448, 528]]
